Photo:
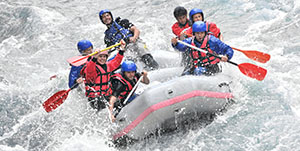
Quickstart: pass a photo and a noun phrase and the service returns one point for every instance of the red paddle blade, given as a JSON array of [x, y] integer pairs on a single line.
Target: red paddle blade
[[77, 60], [257, 56], [253, 71], [55, 100]]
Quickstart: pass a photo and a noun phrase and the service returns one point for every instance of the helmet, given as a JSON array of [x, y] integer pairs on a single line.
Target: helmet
[[128, 66], [103, 12], [102, 52], [196, 11], [199, 26], [179, 11], [83, 45]]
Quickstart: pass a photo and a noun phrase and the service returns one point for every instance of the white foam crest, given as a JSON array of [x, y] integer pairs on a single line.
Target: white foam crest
[[85, 141], [8, 45], [255, 30], [16, 148], [248, 6], [285, 78], [49, 17], [296, 4], [23, 120]]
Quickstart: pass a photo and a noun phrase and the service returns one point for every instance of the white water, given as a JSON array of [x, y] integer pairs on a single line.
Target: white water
[[38, 36]]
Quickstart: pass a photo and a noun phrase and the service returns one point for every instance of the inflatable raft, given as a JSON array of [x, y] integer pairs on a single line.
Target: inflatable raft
[[162, 105]]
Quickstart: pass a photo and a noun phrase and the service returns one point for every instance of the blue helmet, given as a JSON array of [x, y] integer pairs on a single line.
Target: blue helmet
[[199, 26], [128, 66], [103, 12], [83, 45], [196, 11]]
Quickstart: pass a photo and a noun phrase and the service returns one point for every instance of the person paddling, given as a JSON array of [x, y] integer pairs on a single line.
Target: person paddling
[[182, 24], [179, 29], [123, 29], [97, 74], [212, 29], [204, 63], [84, 47], [122, 84]]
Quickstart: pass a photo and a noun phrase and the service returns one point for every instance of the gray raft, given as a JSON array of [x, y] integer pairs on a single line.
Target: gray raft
[[161, 105]]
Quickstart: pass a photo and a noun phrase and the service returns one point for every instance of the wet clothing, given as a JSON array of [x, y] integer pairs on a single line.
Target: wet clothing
[[118, 30], [74, 75], [121, 87], [97, 77], [212, 30], [207, 70], [199, 59], [98, 103], [177, 28]]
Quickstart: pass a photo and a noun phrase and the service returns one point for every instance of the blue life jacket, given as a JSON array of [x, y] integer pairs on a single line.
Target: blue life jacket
[[116, 32]]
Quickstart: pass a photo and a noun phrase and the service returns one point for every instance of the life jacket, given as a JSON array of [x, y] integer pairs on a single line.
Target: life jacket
[[203, 59], [116, 32], [211, 29], [99, 86], [128, 85], [177, 28]]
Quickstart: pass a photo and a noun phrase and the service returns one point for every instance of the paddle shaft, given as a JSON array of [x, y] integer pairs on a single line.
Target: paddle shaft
[[74, 86], [137, 83], [112, 46], [247, 69], [189, 45], [253, 54], [84, 57]]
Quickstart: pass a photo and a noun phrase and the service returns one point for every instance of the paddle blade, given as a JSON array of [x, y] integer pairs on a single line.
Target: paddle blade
[[55, 100], [257, 56], [253, 71], [77, 60]]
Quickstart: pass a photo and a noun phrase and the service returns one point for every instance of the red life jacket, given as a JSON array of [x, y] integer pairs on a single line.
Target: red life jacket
[[96, 79], [127, 84], [211, 29], [177, 29], [100, 85], [202, 59]]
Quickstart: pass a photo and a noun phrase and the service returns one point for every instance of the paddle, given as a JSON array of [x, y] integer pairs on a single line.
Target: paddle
[[255, 55], [133, 89], [80, 60], [252, 54], [247, 69], [57, 99]]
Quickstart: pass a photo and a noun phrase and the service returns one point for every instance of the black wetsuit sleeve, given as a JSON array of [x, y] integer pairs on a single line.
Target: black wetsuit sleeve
[[138, 75], [125, 23], [117, 87]]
